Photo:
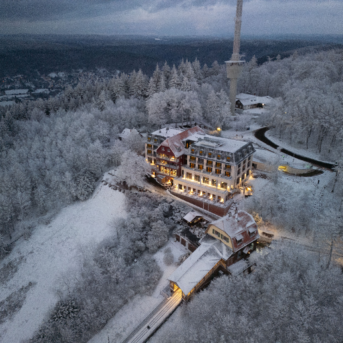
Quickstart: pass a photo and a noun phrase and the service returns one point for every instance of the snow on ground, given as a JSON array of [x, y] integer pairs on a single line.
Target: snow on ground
[[139, 307], [52, 251], [300, 151]]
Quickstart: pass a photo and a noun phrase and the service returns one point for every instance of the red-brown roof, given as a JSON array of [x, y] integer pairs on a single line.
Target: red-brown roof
[[175, 143]]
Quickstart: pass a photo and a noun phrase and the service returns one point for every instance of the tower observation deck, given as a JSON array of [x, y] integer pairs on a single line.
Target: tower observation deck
[[235, 65]]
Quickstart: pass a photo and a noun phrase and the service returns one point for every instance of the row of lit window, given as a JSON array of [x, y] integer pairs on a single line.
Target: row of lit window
[[211, 155], [206, 180], [168, 171], [209, 169], [201, 193], [209, 162]]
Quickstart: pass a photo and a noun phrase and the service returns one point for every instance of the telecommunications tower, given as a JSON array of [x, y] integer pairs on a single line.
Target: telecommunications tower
[[235, 65]]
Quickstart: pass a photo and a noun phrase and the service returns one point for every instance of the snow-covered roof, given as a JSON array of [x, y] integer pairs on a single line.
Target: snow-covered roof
[[218, 143], [16, 91], [249, 99], [193, 214], [199, 263], [41, 90], [175, 142], [238, 267], [167, 132], [237, 224]]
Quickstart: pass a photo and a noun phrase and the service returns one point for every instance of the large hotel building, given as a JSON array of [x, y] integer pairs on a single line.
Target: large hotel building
[[201, 169]]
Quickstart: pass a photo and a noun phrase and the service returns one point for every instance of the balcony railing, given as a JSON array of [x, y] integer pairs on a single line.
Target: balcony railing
[[165, 157], [166, 165]]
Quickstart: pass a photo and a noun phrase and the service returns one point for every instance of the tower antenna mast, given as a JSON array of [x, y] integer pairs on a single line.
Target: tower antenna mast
[[235, 65]]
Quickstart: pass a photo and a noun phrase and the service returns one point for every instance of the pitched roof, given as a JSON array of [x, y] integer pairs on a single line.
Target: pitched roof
[[237, 224], [199, 263], [175, 142]]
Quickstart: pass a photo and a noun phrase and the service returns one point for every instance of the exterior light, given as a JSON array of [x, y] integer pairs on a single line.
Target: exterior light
[[219, 129]]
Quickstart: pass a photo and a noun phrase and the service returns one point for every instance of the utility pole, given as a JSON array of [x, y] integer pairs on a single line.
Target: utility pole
[[235, 65]]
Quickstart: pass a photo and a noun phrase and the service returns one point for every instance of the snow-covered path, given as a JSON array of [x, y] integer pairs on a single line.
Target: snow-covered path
[[52, 251]]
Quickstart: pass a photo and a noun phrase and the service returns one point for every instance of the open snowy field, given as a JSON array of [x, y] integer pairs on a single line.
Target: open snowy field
[[53, 251]]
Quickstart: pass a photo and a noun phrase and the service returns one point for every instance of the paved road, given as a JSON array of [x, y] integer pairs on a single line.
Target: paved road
[[260, 134], [155, 319]]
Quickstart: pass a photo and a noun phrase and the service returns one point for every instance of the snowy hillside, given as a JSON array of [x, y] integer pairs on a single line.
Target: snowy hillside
[[53, 250]]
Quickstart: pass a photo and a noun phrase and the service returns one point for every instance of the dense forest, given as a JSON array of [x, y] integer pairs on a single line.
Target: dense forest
[[55, 152]]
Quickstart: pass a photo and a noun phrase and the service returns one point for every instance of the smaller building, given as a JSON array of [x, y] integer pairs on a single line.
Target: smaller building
[[248, 101], [227, 241]]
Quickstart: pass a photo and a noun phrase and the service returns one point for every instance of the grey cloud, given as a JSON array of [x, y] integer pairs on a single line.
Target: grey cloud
[[51, 9]]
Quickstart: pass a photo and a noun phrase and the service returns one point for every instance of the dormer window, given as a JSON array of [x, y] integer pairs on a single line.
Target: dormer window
[[239, 239], [252, 232], [228, 158]]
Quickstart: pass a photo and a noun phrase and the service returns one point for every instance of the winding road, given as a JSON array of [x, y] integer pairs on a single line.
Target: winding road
[[260, 135]]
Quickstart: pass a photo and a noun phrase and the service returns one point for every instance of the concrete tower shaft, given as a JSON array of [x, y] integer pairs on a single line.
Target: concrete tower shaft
[[235, 65], [238, 25]]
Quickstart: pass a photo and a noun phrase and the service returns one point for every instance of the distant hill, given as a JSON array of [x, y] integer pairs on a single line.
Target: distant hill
[[24, 54]]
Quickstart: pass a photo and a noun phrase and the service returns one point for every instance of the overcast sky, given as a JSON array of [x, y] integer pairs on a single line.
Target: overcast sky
[[170, 17]]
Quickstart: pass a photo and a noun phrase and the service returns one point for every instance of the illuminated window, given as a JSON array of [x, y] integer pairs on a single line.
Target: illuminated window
[[188, 176], [200, 167], [197, 178], [193, 151], [218, 171], [223, 185], [209, 169], [149, 145], [219, 157], [209, 154], [149, 139], [173, 172], [192, 158], [214, 182], [187, 145], [209, 163], [205, 180], [201, 152], [192, 165], [227, 166], [228, 158], [218, 165], [155, 140], [227, 174], [149, 151]]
